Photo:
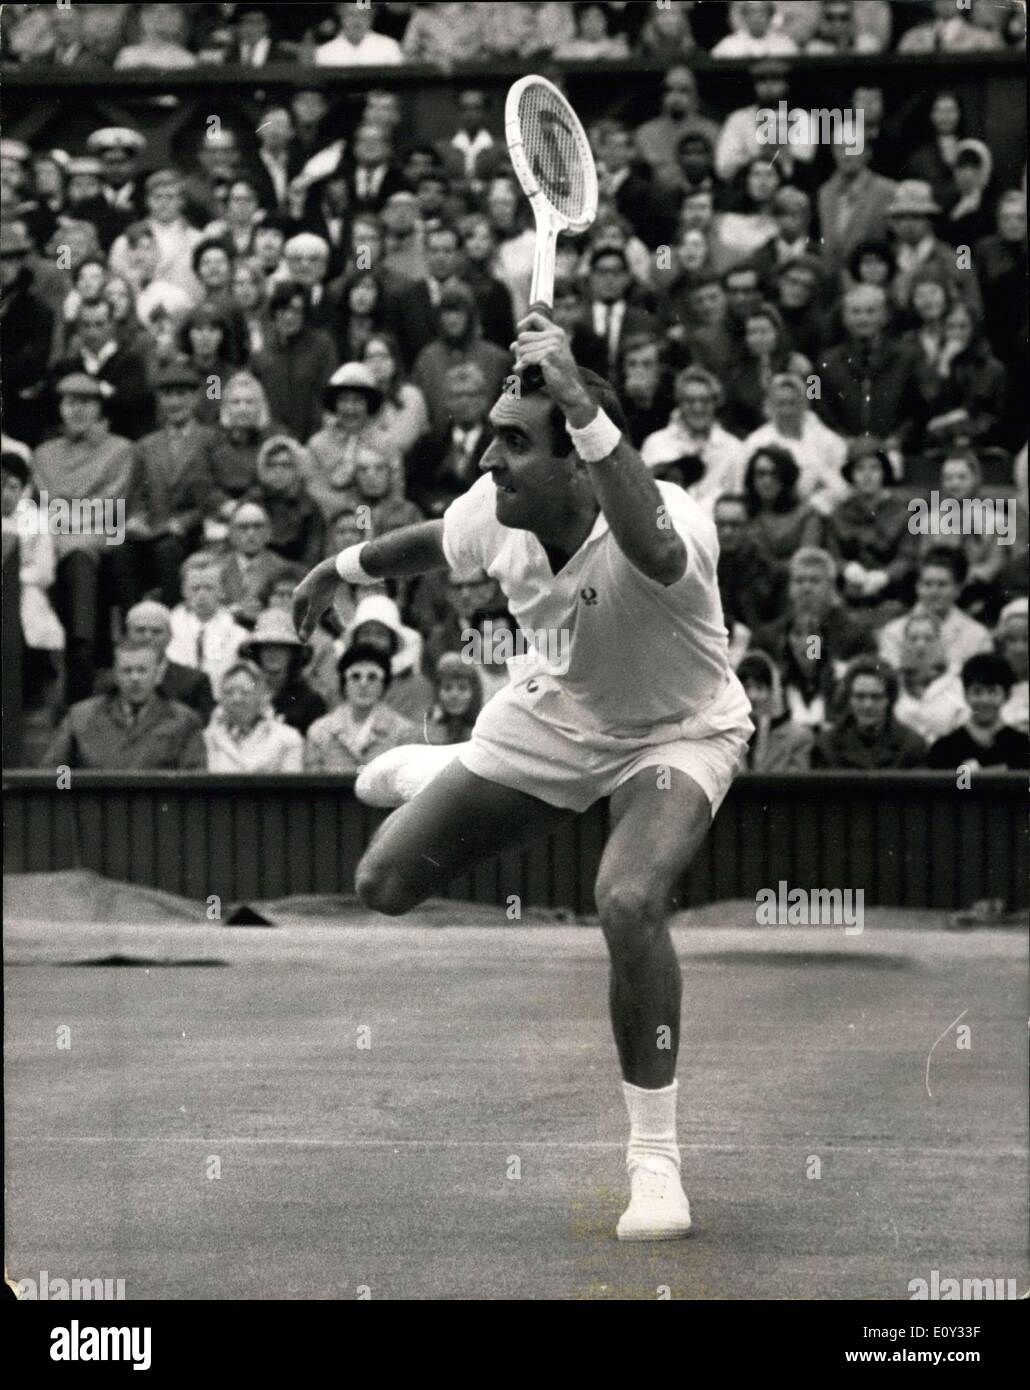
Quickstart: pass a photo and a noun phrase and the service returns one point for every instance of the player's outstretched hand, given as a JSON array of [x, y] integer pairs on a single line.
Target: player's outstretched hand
[[544, 344], [313, 595]]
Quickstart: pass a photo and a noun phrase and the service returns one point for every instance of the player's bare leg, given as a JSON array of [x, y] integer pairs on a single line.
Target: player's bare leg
[[657, 831], [457, 821]]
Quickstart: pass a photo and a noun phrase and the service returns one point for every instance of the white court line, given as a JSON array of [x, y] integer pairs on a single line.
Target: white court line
[[509, 1144]]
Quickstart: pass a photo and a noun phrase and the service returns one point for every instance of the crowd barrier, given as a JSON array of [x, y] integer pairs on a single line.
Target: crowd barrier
[[61, 106], [906, 839]]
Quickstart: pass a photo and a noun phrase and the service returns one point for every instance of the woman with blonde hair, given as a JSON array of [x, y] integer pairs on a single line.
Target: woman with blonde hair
[[930, 701], [244, 423]]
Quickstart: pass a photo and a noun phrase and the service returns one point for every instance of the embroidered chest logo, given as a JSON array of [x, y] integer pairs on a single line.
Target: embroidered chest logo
[[589, 596]]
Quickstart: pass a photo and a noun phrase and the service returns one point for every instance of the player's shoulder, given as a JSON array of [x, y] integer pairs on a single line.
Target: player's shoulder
[[471, 531], [687, 514]]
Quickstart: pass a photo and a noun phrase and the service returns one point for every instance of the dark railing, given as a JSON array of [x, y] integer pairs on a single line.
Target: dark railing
[[909, 839]]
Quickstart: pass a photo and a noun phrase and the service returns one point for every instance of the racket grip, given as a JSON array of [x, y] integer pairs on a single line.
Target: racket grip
[[541, 307]]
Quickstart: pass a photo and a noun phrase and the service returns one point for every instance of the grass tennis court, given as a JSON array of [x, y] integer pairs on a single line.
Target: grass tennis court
[[391, 1167]]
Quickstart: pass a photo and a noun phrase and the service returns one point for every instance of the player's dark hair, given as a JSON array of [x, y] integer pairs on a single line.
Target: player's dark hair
[[597, 388], [987, 668], [945, 557]]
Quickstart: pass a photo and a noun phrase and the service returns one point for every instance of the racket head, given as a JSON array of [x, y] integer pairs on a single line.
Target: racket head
[[550, 154]]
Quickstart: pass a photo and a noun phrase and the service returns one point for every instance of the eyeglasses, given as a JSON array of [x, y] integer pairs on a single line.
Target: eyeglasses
[[370, 676]]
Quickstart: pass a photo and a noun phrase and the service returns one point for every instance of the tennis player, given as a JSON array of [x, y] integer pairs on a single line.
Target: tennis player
[[645, 710]]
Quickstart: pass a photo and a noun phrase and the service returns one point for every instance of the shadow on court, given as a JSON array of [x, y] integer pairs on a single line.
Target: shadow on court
[[426, 1112]]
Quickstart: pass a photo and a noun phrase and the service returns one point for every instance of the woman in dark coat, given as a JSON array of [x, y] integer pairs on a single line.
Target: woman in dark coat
[[296, 362]]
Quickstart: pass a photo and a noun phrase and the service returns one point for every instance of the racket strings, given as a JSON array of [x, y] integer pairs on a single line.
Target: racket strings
[[552, 151]]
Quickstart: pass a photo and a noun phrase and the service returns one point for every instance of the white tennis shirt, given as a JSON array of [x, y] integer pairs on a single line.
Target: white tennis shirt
[[640, 653]]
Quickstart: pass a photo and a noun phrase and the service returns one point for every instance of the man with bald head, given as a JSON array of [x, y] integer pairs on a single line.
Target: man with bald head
[[868, 382], [251, 561], [150, 624]]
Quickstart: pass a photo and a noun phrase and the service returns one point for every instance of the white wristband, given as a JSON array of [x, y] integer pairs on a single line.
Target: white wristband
[[596, 440], [349, 566]]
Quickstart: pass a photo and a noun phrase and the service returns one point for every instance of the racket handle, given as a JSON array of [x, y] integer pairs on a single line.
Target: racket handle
[[540, 307]]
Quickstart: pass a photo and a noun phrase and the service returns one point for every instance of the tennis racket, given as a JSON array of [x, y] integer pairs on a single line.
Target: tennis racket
[[553, 162]]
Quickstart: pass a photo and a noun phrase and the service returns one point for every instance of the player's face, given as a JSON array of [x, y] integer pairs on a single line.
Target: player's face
[[532, 484]]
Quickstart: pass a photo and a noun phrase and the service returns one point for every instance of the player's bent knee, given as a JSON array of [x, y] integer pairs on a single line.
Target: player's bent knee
[[383, 889]]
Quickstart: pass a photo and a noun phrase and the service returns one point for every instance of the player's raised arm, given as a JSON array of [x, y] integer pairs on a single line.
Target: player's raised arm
[[409, 550], [627, 493]]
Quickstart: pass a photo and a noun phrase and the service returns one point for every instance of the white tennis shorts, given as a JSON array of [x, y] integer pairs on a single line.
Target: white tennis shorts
[[534, 737]]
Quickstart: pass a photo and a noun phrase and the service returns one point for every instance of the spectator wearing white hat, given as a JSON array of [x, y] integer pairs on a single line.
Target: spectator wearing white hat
[[377, 622], [119, 149]]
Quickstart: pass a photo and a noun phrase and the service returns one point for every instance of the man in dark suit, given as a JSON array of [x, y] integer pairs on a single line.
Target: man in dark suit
[[253, 45], [372, 177], [610, 315], [446, 464], [134, 727], [278, 158], [629, 184], [416, 307], [570, 311], [150, 623]]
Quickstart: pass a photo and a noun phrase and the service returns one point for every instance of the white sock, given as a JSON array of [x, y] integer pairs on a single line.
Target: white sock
[[652, 1120]]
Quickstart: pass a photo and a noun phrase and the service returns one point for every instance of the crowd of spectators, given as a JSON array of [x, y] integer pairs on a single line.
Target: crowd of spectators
[[290, 343], [169, 35]]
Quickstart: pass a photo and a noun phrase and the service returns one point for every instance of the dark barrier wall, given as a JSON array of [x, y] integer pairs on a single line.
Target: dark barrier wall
[[909, 840]]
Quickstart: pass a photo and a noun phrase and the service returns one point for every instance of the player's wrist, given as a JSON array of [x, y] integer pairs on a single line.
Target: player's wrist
[[595, 439], [349, 567]]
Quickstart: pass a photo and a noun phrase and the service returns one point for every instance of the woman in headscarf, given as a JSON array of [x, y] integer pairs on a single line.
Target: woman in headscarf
[[244, 734], [930, 700], [298, 530], [352, 401], [970, 217], [777, 744]]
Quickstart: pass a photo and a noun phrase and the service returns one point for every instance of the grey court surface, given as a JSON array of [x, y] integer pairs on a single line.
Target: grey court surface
[[474, 1148]]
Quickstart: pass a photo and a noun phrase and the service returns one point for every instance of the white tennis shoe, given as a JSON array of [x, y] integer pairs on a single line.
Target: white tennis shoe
[[658, 1207], [400, 773]]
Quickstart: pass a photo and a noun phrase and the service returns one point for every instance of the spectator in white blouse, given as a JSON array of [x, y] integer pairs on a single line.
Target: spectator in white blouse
[[693, 431]]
